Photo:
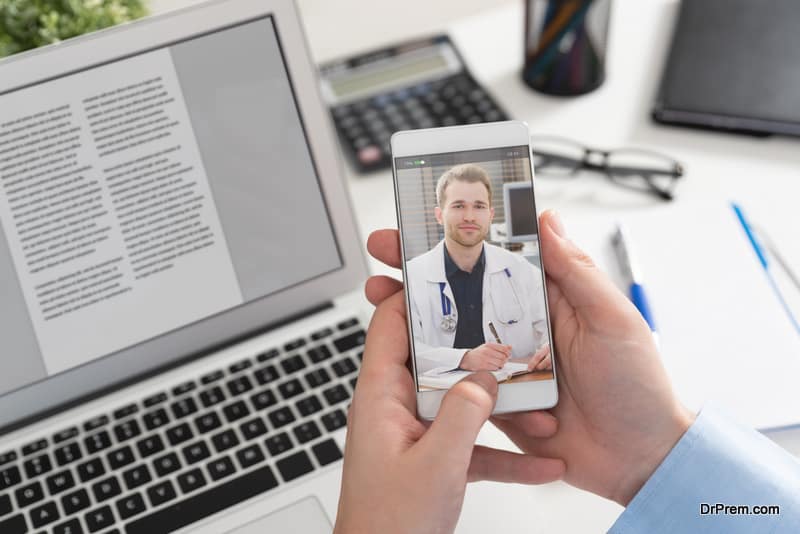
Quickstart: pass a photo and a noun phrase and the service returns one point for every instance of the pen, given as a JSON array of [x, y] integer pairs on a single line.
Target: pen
[[631, 269], [494, 333]]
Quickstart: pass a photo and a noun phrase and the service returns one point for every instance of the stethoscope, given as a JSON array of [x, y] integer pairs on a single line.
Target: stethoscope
[[448, 319]]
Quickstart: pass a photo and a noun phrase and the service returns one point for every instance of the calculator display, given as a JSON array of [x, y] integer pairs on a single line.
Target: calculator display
[[391, 72]]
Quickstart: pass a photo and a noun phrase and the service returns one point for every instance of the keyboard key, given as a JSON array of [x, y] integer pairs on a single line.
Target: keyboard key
[[205, 504], [220, 468], [262, 400], [250, 456], [267, 355], [106, 489], [212, 396], [153, 400], [68, 453], [281, 416], [308, 405], [29, 494], [306, 432], [64, 435], [292, 364], [224, 440], [183, 407], [294, 466], [136, 476], [97, 442], [183, 388], [5, 505], [59, 482], [318, 354], [211, 377], [125, 411], [73, 526], [155, 419], [7, 457], [279, 443], [266, 374], [240, 366], [235, 411], [14, 525], [120, 457], [195, 452], [353, 383], [127, 430], [36, 446], [327, 452], [37, 465], [253, 428], [130, 506], [166, 464], [350, 341], [319, 334], [179, 433], [207, 422], [9, 477], [333, 420], [99, 518], [150, 445], [191, 480], [343, 367], [75, 501], [161, 493], [336, 394], [318, 377], [90, 469], [291, 388], [44, 514], [344, 325], [95, 422], [294, 345], [239, 385]]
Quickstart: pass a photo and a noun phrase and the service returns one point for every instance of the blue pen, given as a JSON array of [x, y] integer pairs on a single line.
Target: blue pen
[[633, 273]]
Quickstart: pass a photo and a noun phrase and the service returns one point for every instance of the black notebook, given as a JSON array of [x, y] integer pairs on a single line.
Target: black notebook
[[734, 65]]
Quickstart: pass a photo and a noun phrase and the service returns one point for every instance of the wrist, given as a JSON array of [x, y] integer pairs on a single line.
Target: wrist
[[640, 467]]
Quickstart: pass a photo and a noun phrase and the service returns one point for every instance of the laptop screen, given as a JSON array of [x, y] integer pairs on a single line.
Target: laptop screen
[[149, 193]]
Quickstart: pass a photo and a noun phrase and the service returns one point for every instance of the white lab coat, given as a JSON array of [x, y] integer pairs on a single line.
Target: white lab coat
[[514, 304]]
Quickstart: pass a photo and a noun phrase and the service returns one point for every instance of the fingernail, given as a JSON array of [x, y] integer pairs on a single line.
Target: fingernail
[[557, 224]]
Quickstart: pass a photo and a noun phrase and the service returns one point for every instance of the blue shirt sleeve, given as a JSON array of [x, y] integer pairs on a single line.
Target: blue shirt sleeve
[[718, 463]]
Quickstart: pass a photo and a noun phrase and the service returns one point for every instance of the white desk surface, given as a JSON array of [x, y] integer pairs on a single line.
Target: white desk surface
[[763, 173]]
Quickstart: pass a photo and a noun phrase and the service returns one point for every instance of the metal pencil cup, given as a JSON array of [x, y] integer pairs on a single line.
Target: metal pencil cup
[[565, 45]]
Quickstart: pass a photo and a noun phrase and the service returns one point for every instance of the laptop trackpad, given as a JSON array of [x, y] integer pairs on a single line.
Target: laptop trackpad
[[306, 516]]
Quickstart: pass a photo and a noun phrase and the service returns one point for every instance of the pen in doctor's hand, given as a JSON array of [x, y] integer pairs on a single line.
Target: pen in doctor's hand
[[631, 269], [494, 333]]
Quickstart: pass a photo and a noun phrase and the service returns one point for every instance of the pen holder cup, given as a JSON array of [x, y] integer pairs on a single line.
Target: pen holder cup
[[565, 45]]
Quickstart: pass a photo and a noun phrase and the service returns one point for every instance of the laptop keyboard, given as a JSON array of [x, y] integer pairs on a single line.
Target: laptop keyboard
[[182, 455]]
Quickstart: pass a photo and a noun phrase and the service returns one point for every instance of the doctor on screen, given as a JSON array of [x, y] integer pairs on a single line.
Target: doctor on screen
[[465, 294]]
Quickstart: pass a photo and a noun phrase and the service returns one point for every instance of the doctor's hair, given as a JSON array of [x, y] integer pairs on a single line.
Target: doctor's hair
[[467, 172]]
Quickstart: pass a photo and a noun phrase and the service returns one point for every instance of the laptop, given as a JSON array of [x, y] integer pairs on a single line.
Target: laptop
[[180, 317]]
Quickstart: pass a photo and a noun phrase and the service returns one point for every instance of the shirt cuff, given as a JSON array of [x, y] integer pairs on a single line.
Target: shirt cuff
[[718, 462]]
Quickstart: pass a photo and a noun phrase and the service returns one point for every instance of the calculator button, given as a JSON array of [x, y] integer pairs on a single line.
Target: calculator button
[[493, 115], [449, 120], [369, 154], [361, 142], [474, 119]]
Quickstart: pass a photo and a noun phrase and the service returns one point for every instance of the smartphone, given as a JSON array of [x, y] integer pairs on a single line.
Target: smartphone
[[475, 286]]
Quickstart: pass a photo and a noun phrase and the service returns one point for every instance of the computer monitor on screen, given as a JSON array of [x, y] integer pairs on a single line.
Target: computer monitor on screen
[[517, 202]]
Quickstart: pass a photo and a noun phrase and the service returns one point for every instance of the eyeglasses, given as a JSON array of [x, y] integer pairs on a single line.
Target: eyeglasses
[[634, 168]]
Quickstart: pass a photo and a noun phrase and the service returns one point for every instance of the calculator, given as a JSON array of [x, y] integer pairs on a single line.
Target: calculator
[[418, 84]]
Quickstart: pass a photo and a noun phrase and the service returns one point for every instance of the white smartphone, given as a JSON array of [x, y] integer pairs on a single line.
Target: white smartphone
[[475, 287]]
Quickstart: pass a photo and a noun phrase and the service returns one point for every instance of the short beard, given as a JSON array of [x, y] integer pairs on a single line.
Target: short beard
[[452, 233]]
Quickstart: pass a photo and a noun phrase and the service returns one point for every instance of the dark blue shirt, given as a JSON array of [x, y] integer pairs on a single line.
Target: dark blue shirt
[[468, 293]]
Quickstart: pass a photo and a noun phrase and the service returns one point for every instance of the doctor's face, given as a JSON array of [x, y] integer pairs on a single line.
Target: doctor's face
[[466, 213]]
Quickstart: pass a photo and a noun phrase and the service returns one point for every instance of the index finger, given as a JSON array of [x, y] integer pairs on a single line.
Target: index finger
[[384, 245]]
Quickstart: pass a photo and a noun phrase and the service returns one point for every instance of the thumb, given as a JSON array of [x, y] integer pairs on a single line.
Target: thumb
[[571, 269], [461, 415]]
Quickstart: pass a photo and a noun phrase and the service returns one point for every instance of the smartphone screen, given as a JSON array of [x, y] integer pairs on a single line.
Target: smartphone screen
[[473, 270]]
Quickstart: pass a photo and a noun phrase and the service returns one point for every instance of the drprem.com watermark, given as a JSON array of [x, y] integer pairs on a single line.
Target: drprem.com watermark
[[741, 509]]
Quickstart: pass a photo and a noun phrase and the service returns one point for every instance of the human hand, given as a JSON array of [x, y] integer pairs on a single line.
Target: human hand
[[401, 476], [540, 360], [618, 416], [486, 357]]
